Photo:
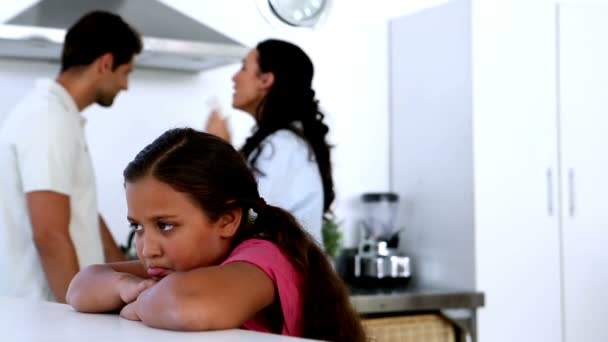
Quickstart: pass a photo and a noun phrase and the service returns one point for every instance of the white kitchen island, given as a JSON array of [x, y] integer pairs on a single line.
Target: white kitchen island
[[27, 320]]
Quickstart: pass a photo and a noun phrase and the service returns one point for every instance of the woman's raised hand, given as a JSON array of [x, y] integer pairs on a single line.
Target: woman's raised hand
[[218, 125]]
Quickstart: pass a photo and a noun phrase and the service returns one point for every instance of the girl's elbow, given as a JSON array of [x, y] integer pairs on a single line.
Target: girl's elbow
[[72, 299], [79, 302], [78, 299], [82, 294], [74, 296]]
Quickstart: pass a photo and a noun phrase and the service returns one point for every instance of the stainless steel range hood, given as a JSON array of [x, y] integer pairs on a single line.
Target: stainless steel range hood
[[172, 40]]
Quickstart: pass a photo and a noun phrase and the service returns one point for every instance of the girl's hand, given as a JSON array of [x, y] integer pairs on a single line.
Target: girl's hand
[[129, 312], [130, 287]]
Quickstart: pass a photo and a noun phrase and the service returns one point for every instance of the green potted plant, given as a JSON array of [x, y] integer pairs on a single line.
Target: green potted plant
[[331, 235]]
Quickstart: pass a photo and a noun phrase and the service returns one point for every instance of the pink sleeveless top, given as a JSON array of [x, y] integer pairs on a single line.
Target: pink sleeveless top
[[287, 281]]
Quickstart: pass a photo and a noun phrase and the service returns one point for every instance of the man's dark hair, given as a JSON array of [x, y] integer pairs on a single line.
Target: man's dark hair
[[97, 33]]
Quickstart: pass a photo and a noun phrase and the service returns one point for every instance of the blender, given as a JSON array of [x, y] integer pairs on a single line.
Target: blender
[[380, 214], [378, 261]]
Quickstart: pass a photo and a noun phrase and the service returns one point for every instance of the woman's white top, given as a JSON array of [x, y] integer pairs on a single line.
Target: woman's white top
[[288, 177]]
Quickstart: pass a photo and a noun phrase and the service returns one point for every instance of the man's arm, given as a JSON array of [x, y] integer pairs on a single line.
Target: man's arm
[[50, 216], [111, 250]]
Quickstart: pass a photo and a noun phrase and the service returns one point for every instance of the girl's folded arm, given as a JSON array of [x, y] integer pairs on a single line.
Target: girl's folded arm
[[210, 298], [96, 288]]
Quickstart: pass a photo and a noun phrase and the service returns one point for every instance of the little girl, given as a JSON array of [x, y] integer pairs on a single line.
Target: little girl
[[204, 262]]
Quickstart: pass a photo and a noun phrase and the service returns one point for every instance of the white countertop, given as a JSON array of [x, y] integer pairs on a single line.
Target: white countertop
[[26, 320]]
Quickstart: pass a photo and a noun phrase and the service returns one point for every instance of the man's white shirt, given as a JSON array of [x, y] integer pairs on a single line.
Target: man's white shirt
[[43, 148]]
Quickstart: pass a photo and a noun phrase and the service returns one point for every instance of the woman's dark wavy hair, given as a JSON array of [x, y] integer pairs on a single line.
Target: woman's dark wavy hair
[[290, 100], [216, 178]]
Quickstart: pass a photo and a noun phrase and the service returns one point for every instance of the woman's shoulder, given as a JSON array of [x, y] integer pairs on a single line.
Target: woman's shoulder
[[284, 135], [283, 141]]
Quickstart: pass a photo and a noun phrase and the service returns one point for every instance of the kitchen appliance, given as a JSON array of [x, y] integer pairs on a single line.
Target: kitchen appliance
[[378, 261], [172, 40], [380, 210]]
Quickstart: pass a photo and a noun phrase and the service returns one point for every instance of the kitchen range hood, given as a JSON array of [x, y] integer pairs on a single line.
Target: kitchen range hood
[[171, 39]]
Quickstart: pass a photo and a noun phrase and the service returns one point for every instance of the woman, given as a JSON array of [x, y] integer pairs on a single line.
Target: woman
[[288, 150]]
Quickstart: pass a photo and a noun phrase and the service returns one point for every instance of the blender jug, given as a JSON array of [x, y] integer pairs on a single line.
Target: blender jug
[[380, 210], [378, 261]]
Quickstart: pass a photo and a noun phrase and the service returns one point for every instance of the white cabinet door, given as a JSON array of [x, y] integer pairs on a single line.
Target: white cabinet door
[[583, 74], [517, 229]]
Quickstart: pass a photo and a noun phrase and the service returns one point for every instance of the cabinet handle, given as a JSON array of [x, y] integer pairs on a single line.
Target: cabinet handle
[[571, 193], [549, 192]]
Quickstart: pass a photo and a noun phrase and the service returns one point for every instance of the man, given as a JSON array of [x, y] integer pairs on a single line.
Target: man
[[49, 221]]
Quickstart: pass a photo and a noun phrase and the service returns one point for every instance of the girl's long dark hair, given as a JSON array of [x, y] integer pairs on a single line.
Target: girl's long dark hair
[[290, 102], [216, 177]]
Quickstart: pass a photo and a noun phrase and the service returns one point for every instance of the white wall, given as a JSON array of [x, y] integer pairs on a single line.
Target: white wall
[[351, 81]]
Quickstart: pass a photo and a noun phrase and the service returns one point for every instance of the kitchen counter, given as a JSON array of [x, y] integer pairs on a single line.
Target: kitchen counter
[[26, 320], [374, 301], [459, 306]]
